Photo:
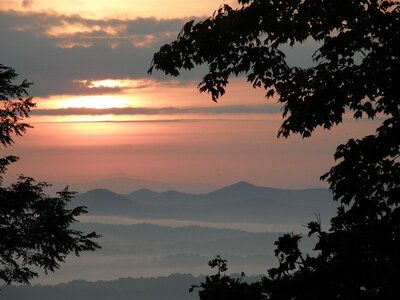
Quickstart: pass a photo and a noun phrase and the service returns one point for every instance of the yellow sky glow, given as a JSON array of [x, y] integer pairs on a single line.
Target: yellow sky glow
[[92, 101], [118, 8], [150, 94], [111, 83], [70, 29]]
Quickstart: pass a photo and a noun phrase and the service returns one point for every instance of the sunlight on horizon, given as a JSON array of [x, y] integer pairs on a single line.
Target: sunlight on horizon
[[98, 101]]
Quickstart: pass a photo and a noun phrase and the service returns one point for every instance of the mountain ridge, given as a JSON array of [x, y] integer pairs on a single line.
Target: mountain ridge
[[241, 201], [125, 185]]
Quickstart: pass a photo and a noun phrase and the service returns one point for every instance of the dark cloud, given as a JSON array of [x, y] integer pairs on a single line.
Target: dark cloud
[[220, 110], [73, 27], [41, 48], [36, 56]]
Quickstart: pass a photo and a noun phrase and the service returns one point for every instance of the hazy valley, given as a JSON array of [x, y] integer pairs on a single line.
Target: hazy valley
[[147, 234]]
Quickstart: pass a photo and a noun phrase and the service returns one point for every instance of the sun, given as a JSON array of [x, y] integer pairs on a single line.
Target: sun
[[85, 108], [98, 102]]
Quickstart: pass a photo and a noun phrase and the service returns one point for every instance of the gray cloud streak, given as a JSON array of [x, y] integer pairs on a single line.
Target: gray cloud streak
[[222, 110]]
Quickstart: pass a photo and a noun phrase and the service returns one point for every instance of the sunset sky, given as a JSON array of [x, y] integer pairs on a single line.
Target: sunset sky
[[100, 115]]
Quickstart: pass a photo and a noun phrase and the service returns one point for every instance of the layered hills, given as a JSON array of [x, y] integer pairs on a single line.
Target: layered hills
[[241, 201]]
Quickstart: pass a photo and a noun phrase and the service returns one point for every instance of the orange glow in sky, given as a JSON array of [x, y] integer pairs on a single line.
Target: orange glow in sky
[[119, 8], [111, 83], [98, 101], [70, 29]]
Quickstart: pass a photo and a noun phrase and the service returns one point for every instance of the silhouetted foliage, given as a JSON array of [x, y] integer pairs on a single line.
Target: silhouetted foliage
[[35, 229], [223, 287], [354, 72], [14, 107]]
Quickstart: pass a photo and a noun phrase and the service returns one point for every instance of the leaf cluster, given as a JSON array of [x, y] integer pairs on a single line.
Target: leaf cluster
[[35, 230], [14, 106], [223, 287]]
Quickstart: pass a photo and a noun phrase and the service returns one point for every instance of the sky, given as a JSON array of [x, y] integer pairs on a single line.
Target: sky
[[100, 115]]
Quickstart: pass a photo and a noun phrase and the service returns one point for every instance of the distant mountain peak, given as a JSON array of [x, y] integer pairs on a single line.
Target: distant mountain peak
[[238, 186], [241, 184]]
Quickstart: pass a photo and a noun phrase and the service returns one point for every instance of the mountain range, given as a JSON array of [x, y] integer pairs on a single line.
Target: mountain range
[[125, 185], [239, 202]]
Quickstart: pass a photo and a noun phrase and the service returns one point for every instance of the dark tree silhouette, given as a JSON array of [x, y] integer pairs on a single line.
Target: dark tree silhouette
[[354, 72], [222, 287], [35, 229]]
